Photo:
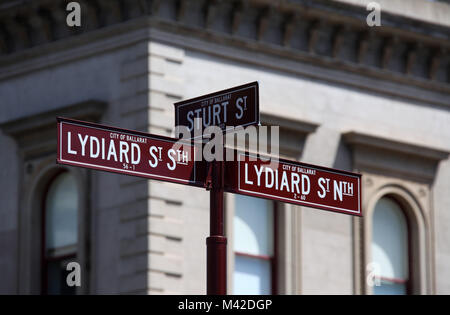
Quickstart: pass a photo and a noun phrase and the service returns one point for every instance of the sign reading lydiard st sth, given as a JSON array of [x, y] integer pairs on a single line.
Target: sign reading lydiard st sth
[[126, 152], [294, 182], [237, 106]]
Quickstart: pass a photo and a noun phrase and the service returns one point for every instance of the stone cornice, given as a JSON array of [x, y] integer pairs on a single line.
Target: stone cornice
[[35, 134], [394, 158], [90, 110], [329, 33], [360, 139]]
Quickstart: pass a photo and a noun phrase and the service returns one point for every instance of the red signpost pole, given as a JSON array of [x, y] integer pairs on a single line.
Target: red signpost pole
[[216, 243]]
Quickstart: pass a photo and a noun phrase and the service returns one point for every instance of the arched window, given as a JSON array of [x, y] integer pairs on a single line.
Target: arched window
[[254, 246], [60, 233], [390, 248]]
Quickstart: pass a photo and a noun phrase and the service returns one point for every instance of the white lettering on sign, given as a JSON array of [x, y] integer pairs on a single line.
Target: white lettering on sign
[[299, 184], [128, 152], [172, 159], [112, 151], [83, 143], [215, 114], [284, 182], [247, 181], [241, 109], [342, 188], [154, 162], [210, 115], [96, 149], [69, 150], [235, 107], [321, 193], [135, 154], [123, 151]]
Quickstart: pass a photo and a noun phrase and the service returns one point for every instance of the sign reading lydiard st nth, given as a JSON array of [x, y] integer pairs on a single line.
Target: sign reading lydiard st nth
[[294, 182], [237, 106], [127, 152]]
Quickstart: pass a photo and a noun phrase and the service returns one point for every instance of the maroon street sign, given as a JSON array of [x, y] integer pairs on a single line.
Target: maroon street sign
[[127, 152], [237, 106], [294, 182]]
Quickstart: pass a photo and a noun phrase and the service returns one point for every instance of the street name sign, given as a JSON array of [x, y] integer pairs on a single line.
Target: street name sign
[[127, 152], [294, 182], [136, 153], [237, 106]]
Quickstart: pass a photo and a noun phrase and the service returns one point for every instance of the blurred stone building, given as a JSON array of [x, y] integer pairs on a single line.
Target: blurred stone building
[[374, 100]]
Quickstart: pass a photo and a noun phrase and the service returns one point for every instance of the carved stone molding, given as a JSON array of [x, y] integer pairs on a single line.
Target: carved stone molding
[[36, 134], [394, 158], [318, 29]]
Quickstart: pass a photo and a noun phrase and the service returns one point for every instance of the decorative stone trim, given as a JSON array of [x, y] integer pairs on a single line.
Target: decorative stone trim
[[316, 29], [36, 134], [88, 110], [394, 158]]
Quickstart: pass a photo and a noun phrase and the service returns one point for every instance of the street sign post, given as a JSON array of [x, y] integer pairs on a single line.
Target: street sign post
[[294, 182], [237, 106], [227, 109], [127, 152], [216, 242]]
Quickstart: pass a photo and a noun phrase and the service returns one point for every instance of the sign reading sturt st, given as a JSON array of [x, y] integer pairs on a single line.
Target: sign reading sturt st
[[294, 182], [237, 106], [126, 152]]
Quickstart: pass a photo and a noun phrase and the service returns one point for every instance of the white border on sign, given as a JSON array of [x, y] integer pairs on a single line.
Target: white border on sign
[[295, 200], [119, 169]]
